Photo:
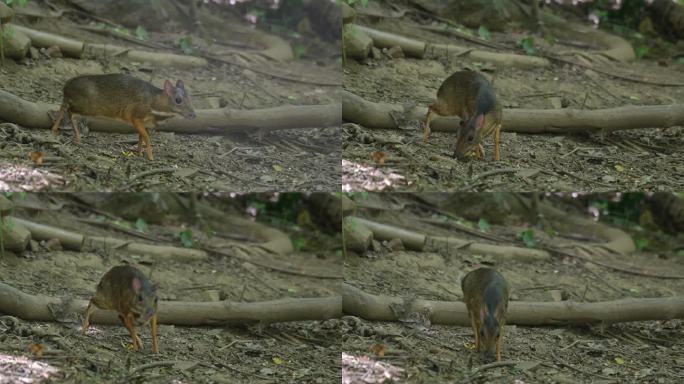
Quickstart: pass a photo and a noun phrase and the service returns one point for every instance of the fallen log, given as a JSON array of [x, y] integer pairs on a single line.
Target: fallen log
[[356, 302], [14, 302], [355, 109], [209, 121]]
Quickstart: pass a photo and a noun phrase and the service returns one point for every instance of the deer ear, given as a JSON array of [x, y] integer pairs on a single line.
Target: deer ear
[[136, 284], [168, 88], [479, 121]]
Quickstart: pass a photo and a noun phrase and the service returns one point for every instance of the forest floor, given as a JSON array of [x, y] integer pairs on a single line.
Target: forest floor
[[293, 159], [293, 352], [632, 352], [635, 159]]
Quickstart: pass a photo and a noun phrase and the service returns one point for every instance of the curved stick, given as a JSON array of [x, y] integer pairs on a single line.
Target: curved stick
[[37, 308], [379, 115], [356, 302]]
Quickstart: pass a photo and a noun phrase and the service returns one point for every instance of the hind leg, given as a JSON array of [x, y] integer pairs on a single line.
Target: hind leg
[[497, 137], [426, 128], [143, 137], [58, 120], [74, 124]]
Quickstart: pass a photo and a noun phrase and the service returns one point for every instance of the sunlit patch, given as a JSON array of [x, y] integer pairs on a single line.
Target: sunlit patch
[[357, 177], [19, 369], [17, 177], [363, 369]]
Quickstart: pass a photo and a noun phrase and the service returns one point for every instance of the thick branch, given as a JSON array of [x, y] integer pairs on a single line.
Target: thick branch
[[378, 115], [209, 121], [36, 307], [355, 302]]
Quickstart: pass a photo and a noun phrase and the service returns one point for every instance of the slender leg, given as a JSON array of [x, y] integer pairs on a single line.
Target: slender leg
[[477, 333], [86, 317], [479, 152], [140, 144], [60, 115], [498, 344], [140, 127], [497, 136], [128, 322], [426, 128], [74, 124], [153, 330]]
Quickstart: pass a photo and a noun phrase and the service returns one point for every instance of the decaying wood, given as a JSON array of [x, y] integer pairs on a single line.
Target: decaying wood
[[357, 45], [15, 45], [411, 240], [379, 115], [357, 236], [15, 236], [209, 121], [419, 49], [68, 239], [356, 302], [76, 48], [14, 302]]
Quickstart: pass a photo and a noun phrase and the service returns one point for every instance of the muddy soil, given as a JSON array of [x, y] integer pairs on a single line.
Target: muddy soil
[[294, 159], [643, 159], [636, 352], [296, 352]]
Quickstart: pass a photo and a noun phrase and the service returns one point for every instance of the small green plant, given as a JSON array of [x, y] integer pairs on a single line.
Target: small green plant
[[527, 237], [641, 243], [186, 45], [186, 238], [298, 243], [21, 3], [352, 2], [483, 225], [640, 50], [141, 225], [527, 44], [141, 33], [484, 33], [298, 50]]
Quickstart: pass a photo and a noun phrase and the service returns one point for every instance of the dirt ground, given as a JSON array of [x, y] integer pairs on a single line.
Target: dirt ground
[[636, 352], [293, 159], [296, 352], [638, 159]]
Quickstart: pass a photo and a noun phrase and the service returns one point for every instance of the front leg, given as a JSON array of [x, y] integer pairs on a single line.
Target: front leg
[[473, 324], [128, 321], [153, 330], [86, 317], [426, 127], [497, 136]]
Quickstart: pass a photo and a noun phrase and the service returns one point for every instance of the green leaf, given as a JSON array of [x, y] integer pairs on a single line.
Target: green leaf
[[298, 51], [186, 45], [527, 237], [641, 243], [298, 243], [484, 32], [484, 225], [527, 44], [640, 51], [680, 253], [141, 33], [141, 225], [186, 238]]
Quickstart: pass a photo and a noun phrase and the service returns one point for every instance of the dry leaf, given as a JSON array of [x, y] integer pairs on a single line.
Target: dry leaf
[[36, 349], [379, 157], [36, 157], [379, 349]]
